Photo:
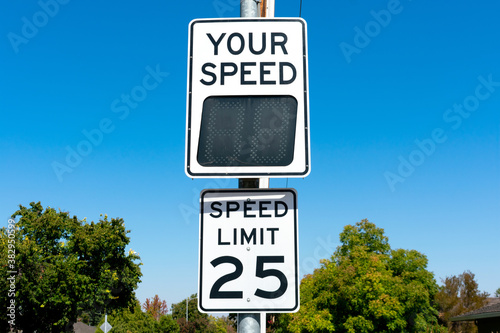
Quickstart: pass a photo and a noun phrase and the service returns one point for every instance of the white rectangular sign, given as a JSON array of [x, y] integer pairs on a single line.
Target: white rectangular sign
[[247, 99], [248, 251]]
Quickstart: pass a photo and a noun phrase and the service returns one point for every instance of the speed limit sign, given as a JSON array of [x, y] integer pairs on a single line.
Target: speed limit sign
[[248, 251]]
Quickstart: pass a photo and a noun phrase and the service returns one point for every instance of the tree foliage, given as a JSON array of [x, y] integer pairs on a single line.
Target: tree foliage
[[224, 324], [208, 324], [179, 309], [459, 295], [155, 307], [199, 322], [196, 321], [198, 325], [65, 268], [367, 287], [135, 321]]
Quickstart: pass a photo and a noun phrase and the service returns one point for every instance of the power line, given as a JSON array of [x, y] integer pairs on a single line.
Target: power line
[[300, 10]]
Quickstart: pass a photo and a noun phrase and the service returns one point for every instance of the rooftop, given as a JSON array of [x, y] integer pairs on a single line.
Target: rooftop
[[491, 310]]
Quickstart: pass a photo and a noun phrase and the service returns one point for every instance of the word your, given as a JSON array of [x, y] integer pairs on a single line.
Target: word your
[[372, 29], [40, 19], [455, 116], [235, 44]]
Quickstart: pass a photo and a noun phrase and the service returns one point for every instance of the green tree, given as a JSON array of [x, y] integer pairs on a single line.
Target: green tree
[[130, 321], [168, 324], [458, 295], [497, 292], [65, 268], [277, 322], [133, 320], [367, 287], [197, 322], [179, 309], [223, 324], [198, 325]]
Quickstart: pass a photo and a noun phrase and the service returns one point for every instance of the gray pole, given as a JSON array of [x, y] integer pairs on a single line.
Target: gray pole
[[249, 8], [253, 322], [249, 322]]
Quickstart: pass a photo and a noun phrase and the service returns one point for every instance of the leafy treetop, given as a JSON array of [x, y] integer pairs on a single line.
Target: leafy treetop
[[367, 287], [459, 295], [67, 268], [156, 307]]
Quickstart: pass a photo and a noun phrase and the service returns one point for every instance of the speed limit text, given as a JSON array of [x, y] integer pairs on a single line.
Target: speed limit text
[[248, 209]]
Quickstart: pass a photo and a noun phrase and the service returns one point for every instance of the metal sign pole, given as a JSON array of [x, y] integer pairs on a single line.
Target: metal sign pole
[[249, 8], [269, 119], [249, 322], [268, 11]]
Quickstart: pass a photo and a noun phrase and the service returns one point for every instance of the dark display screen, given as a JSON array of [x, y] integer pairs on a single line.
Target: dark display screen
[[247, 131]]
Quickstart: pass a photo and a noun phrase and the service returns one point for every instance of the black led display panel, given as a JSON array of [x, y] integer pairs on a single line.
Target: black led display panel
[[247, 131]]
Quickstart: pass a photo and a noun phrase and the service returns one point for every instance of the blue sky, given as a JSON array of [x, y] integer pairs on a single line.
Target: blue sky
[[404, 111]]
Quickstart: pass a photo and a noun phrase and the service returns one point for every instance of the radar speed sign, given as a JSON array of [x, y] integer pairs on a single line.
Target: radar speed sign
[[247, 107]]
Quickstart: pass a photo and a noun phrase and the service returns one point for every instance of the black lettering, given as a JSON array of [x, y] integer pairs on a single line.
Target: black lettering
[[275, 43], [272, 230], [244, 72], [223, 72], [247, 208], [205, 71], [264, 72], [219, 240], [262, 208], [216, 209], [294, 73], [215, 292], [263, 273], [235, 208], [248, 238], [285, 207], [250, 42], [230, 46], [216, 43]]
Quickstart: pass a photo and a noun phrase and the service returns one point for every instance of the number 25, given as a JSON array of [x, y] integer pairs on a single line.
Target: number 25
[[260, 272]]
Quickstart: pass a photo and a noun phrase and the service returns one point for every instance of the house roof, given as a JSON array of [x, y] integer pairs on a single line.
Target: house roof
[[491, 310]]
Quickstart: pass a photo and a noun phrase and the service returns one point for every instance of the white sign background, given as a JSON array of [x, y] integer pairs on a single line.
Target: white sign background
[[218, 229], [201, 51]]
